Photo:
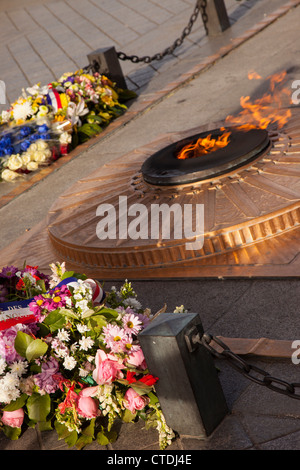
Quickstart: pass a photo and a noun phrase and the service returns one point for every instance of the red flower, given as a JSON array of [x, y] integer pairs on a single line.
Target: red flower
[[20, 285], [130, 377], [148, 379]]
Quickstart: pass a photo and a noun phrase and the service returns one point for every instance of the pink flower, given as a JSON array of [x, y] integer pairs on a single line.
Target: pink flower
[[13, 419], [134, 402], [137, 359], [116, 338], [107, 368], [131, 323], [87, 407]]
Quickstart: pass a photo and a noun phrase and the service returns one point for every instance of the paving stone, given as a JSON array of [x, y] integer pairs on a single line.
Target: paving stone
[[268, 428], [89, 33], [127, 16], [22, 20], [57, 61], [288, 442], [150, 10], [109, 25], [229, 435], [33, 67]]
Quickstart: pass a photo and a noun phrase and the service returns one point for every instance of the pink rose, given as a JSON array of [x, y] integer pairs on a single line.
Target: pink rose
[[133, 401], [137, 359], [87, 407], [13, 419], [107, 368]]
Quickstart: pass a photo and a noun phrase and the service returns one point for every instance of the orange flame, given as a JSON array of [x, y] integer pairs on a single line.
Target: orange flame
[[254, 76], [204, 145], [267, 110]]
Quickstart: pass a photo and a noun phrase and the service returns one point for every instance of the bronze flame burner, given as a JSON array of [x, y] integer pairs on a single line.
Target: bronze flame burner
[[164, 168]]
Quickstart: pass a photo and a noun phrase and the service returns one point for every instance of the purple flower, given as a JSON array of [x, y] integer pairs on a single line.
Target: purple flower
[[8, 272], [45, 380], [7, 345]]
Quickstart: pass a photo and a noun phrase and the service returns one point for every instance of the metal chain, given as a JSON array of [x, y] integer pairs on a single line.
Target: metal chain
[[253, 373], [200, 6]]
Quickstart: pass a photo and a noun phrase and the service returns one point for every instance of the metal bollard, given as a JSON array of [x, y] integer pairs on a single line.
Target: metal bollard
[[108, 64], [217, 16], [188, 388]]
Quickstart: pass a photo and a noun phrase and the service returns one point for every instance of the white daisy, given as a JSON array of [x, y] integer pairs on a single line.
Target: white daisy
[[86, 343], [22, 110], [69, 363]]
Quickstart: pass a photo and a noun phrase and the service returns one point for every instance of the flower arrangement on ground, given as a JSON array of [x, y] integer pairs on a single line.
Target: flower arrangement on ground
[[76, 365], [56, 117]]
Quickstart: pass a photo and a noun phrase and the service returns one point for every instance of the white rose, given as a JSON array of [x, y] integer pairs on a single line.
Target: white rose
[[33, 148], [8, 175], [26, 158], [14, 162], [32, 166], [39, 156], [65, 138], [41, 144]]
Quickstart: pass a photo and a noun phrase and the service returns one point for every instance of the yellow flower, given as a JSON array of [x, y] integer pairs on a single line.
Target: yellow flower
[[64, 100], [8, 175], [32, 166], [14, 162]]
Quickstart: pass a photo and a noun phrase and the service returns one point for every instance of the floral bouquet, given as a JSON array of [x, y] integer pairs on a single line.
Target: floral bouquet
[[26, 148], [76, 365], [74, 109]]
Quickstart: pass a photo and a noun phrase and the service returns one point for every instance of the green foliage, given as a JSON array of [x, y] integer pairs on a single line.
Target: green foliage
[[29, 347]]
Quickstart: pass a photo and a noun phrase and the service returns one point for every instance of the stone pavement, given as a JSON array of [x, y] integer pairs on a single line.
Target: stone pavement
[[259, 419]]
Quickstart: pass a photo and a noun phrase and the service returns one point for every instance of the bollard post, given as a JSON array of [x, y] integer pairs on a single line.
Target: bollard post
[[188, 388], [217, 18], [108, 64]]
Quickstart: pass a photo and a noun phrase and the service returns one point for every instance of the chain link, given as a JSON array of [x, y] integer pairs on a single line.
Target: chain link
[[251, 372], [200, 6]]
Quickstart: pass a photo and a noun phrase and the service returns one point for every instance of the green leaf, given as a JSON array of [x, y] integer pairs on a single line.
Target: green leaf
[[71, 439], [68, 313], [108, 313], [90, 429], [44, 330], [102, 439], [55, 320], [38, 407], [89, 130], [125, 95], [45, 425], [41, 284], [36, 348], [141, 388], [128, 416], [153, 398], [96, 323], [22, 342], [67, 274], [16, 404], [83, 441], [12, 433], [88, 313]]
